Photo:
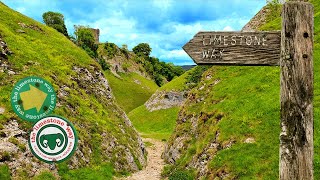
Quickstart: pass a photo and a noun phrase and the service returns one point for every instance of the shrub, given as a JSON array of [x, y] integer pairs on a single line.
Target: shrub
[[181, 175], [104, 65], [195, 76], [56, 21], [45, 175], [125, 66], [85, 39], [124, 50], [111, 49], [142, 49], [5, 156]]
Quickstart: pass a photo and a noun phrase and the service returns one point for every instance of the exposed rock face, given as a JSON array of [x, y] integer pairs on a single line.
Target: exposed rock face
[[17, 153], [165, 100], [30, 26], [258, 20], [125, 156], [4, 53], [95, 83], [191, 127]]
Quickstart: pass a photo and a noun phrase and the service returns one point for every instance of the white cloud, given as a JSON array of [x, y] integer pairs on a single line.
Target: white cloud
[[162, 4], [165, 24], [175, 54], [21, 10], [228, 28], [133, 36]]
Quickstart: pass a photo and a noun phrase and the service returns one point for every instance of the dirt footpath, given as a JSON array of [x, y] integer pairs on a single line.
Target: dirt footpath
[[155, 163]]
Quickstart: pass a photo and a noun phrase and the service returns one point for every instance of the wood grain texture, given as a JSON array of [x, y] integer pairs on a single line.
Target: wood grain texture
[[296, 63], [265, 52]]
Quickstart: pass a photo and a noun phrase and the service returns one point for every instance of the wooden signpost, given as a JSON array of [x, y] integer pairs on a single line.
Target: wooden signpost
[[235, 48], [292, 49]]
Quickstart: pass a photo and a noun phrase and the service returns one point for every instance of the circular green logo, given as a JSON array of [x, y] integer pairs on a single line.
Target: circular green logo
[[33, 98], [53, 139]]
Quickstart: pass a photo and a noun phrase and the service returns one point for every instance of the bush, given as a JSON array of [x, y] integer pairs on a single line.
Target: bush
[[181, 175], [195, 76], [142, 49], [125, 66], [45, 175], [111, 49], [56, 21], [85, 39], [5, 156], [158, 79], [104, 65], [125, 51]]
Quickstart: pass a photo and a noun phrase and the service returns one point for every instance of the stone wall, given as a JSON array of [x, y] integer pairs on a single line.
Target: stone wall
[[96, 33]]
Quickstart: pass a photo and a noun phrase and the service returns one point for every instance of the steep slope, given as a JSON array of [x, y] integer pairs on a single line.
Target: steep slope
[[130, 89], [156, 117], [107, 140], [228, 127]]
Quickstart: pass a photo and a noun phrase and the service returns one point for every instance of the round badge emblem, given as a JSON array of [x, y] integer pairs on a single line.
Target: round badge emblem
[[33, 98], [53, 139]]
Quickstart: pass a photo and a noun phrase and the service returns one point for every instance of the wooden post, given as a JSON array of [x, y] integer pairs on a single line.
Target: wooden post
[[296, 63]]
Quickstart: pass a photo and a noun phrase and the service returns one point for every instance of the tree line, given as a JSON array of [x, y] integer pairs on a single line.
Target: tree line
[[160, 71]]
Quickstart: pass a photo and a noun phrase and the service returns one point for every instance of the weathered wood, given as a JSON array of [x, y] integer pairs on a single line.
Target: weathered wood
[[235, 48], [296, 63]]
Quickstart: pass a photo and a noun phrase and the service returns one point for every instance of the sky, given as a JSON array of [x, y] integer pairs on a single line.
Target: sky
[[166, 25]]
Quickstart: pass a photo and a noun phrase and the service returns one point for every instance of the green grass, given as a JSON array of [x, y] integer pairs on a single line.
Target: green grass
[[50, 55], [130, 95], [4, 172], [248, 100], [101, 172], [45, 175], [177, 84], [156, 124]]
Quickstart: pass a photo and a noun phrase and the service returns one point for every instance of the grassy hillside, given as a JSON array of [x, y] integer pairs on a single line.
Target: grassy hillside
[[131, 90], [156, 124], [83, 98], [234, 130], [159, 124]]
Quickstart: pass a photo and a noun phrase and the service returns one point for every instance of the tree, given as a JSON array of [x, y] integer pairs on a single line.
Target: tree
[[56, 21], [142, 49], [85, 39]]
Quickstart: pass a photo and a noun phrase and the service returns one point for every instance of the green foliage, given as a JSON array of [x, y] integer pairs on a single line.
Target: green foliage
[[48, 55], [56, 21], [248, 99], [127, 92], [273, 17], [5, 156], [15, 141], [158, 79], [156, 124], [125, 51], [126, 66], [104, 65], [4, 172], [159, 69], [181, 175], [102, 172], [111, 49], [85, 39], [178, 83], [195, 75], [142, 49], [275, 8], [45, 175]]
